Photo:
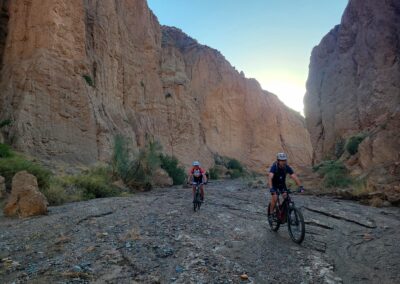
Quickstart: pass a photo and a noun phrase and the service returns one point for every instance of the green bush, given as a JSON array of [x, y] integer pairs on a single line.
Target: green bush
[[56, 193], [122, 153], [353, 143], [135, 169], [334, 174], [339, 147], [16, 163], [171, 165], [96, 182], [5, 122], [5, 151], [235, 173], [88, 80], [214, 174], [234, 164]]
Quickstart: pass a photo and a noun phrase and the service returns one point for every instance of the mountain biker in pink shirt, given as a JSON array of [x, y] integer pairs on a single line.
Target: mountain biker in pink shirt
[[197, 175]]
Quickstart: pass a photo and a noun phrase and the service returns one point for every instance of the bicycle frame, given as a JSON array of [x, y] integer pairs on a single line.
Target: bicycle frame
[[283, 207]]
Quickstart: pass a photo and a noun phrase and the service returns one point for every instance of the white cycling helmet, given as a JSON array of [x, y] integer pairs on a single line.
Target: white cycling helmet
[[281, 157], [196, 163]]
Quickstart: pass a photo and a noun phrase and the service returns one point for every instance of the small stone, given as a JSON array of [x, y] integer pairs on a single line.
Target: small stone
[[179, 269], [244, 276], [368, 237]]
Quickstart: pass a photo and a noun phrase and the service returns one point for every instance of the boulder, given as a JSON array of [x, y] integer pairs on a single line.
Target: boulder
[[25, 199], [393, 194], [161, 178]]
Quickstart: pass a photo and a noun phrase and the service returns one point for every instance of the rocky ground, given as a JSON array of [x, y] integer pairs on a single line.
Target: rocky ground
[[155, 237]]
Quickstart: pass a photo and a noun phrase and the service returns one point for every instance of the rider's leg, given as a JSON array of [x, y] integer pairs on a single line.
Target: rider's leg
[[274, 198], [202, 192], [194, 191]]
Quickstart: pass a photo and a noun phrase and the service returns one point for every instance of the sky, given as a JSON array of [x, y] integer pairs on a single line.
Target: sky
[[269, 40]]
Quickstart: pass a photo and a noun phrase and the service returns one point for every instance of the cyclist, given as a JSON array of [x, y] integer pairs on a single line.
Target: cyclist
[[277, 180], [197, 175]]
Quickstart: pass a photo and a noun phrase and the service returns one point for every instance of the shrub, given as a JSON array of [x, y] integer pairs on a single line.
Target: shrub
[[88, 80], [360, 187], [5, 151], [339, 147], [16, 163], [122, 153], [94, 186], [135, 169], [334, 174], [234, 164], [56, 193], [5, 122], [353, 143], [235, 173], [93, 183], [214, 174], [170, 165]]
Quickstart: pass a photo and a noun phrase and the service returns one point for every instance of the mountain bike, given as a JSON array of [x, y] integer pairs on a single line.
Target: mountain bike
[[286, 212], [197, 196]]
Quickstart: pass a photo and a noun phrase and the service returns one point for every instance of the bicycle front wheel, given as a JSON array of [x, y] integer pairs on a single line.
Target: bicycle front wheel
[[296, 225], [273, 222], [196, 202]]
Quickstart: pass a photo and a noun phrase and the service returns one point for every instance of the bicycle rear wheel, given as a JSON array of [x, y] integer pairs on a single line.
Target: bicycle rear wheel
[[296, 225], [273, 223]]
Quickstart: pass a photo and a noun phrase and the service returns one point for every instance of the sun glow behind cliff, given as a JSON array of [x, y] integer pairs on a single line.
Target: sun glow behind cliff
[[269, 40]]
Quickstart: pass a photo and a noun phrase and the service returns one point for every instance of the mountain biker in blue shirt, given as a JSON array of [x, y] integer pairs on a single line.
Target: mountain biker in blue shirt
[[277, 179]]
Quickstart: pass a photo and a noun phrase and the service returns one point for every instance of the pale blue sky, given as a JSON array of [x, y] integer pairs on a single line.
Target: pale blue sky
[[270, 40]]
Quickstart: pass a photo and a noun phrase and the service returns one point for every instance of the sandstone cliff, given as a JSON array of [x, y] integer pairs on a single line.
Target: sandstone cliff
[[354, 88], [76, 73]]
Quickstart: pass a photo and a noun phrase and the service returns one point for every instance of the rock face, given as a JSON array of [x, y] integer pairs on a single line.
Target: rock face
[[84, 71], [25, 199], [354, 88]]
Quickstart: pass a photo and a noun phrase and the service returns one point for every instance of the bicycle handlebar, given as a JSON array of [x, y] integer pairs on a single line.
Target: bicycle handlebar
[[299, 190], [195, 183]]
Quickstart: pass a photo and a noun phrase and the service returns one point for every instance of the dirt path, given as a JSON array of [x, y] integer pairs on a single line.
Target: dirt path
[[155, 237]]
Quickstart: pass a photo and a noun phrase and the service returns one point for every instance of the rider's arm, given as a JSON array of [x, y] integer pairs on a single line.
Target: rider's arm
[[296, 179], [270, 176], [204, 178], [189, 178]]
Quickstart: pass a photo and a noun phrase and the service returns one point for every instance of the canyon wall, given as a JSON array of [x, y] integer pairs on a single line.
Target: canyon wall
[[353, 89], [76, 73]]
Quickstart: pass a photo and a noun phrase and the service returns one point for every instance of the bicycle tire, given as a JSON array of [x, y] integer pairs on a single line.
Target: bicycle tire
[[273, 225], [196, 202], [299, 221]]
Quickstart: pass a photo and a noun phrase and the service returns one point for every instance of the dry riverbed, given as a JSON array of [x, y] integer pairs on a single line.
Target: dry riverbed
[[155, 237]]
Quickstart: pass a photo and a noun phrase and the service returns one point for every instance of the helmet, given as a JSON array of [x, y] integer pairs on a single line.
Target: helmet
[[281, 157], [196, 163]]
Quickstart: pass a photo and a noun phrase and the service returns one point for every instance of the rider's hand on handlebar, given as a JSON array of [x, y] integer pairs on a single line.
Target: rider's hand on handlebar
[[300, 189]]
